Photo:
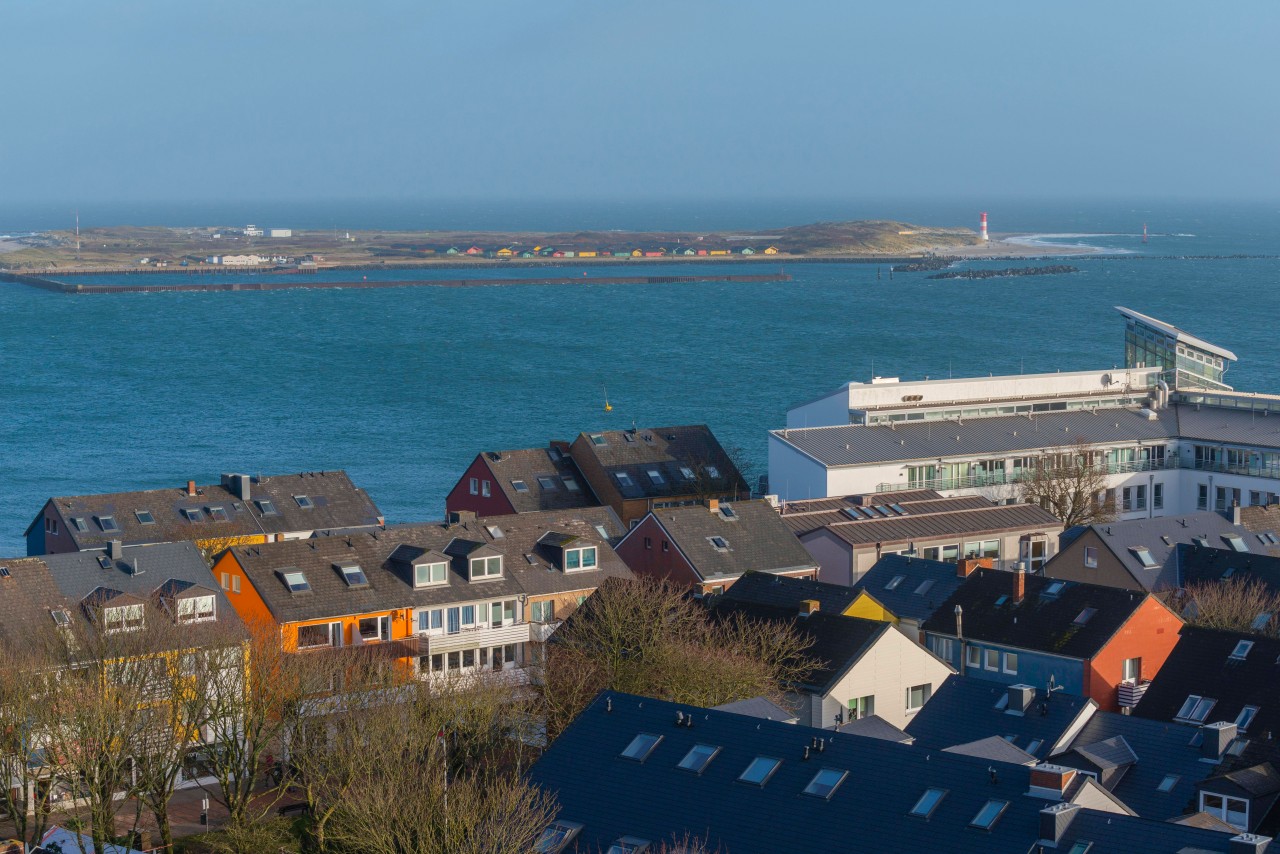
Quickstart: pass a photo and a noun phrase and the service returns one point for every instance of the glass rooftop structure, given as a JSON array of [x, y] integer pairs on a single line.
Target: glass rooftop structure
[[1191, 361]]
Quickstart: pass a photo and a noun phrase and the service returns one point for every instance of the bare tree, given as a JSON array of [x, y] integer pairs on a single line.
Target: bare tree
[[1235, 604], [24, 724], [1070, 484]]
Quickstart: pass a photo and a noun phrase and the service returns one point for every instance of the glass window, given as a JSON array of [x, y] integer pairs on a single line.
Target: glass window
[[698, 757], [973, 656], [1246, 716], [917, 696], [144, 517], [760, 770], [425, 574], [468, 615], [1011, 663], [825, 782], [641, 746], [519, 486], [1091, 556], [928, 802], [454, 620], [895, 581], [311, 636], [989, 814], [1195, 709], [992, 659]]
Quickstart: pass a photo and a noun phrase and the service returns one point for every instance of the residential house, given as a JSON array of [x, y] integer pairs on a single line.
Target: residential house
[[741, 784], [1201, 566], [847, 536], [474, 250], [771, 250], [638, 470], [766, 588], [240, 509], [906, 590], [458, 598], [505, 252], [864, 667], [1013, 627], [709, 547], [498, 483]]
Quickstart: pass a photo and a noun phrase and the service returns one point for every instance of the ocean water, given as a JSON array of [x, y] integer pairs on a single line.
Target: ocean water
[[402, 387]]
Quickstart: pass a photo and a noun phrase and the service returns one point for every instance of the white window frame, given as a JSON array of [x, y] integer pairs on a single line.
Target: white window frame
[[382, 628], [1225, 809], [579, 564], [124, 618], [1006, 666], [197, 609], [1091, 557], [1131, 669], [991, 660], [486, 574], [431, 571], [475, 486], [926, 691], [973, 657]]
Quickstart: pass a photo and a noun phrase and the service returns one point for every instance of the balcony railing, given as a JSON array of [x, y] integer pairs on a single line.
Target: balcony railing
[[475, 636], [540, 632]]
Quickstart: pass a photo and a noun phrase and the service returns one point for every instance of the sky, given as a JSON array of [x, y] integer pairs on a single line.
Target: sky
[[435, 99]]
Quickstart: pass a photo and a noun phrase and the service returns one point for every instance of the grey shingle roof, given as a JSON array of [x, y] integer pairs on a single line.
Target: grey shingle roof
[[759, 707], [994, 748], [27, 596], [665, 450], [757, 540], [770, 589], [804, 516], [874, 726], [902, 600], [531, 467]]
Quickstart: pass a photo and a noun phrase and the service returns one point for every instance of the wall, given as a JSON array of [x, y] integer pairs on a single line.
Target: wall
[[833, 555], [460, 497], [248, 603], [1034, 668], [827, 411], [1110, 572], [596, 477], [1151, 634], [887, 670], [794, 476], [653, 561], [868, 608]]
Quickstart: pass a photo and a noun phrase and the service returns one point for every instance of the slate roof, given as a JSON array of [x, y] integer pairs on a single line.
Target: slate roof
[[390, 582], [973, 522], [1207, 566], [994, 748], [874, 726], [903, 601], [768, 589], [835, 641], [1201, 664], [655, 800], [27, 596], [1041, 622], [759, 707], [527, 465], [335, 502], [963, 709], [757, 540], [664, 449]]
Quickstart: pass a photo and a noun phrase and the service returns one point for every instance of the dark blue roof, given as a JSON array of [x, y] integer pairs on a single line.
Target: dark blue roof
[[963, 709], [902, 600], [655, 800], [767, 588]]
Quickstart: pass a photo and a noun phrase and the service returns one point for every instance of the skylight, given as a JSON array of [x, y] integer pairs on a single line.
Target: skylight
[[1231, 570], [304, 502], [899, 509], [728, 512], [353, 575], [145, 517], [1034, 745], [546, 482], [686, 472], [641, 746], [1081, 847], [1084, 616], [760, 770], [825, 782], [1144, 556], [1202, 542], [495, 532], [108, 524], [556, 837], [1003, 702], [4, 572], [1195, 709], [602, 532], [928, 802], [1246, 716], [1237, 543], [296, 581], [79, 524], [720, 544], [570, 484], [104, 561], [193, 514], [267, 507], [924, 587], [655, 476], [218, 514], [1242, 650], [519, 486], [61, 618], [698, 757], [1167, 784], [628, 845], [1271, 538], [1165, 539], [712, 471], [989, 814], [1055, 588], [624, 479], [1260, 622], [1002, 600], [598, 439], [894, 582]]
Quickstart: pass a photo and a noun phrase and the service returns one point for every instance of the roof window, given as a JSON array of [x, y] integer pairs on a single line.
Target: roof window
[[641, 746], [928, 802], [1241, 652], [655, 476], [924, 587], [1003, 702], [554, 839], [624, 479], [304, 502], [1002, 600], [495, 532], [720, 544], [686, 472], [1202, 542], [4, 572], [1195, 709], [894, 582], [108, 524], [598, 439], [145, 517], [1081, 847], [1167, 784], [628, 845], [353, 574], [193, 514], [602, 532], [1236, 542], [1246, 716], [698, 758], [989, 814], [825, 783], [712, 471], [1055, 588], [760, 770], [217, 514], [728, 513], [296, 581], [546, 482], [1143, 554], [104, 561], [1271, 538], [897, 508], [79, 524], [1034, 745], [569, 483], [61, 618], [267, 507], [629, 438], [519, 486], [1231, 570], [1084, 616], [1260, 622]]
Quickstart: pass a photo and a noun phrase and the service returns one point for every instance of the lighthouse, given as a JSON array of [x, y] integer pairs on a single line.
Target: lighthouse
[[982, 229]]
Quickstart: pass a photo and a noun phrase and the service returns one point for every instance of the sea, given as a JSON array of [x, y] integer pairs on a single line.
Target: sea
[[402, 387]]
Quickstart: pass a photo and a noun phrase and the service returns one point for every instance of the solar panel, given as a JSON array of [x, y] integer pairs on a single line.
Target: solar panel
[[4, 572]]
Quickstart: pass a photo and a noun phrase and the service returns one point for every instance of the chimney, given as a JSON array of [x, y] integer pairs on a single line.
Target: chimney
[[191, 489], [966, 565], [713, 504], [1235, 512], [1248, 843], [1050, 781], [1019, 584], [115, 550], [1020, 699], [1054, 821], [1217, 737], [808, 606]]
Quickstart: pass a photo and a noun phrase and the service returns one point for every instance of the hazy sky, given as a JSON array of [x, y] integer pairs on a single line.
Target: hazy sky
[[276, 99]]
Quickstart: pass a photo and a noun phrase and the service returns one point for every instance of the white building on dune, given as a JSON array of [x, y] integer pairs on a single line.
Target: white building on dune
[[1170, 435]]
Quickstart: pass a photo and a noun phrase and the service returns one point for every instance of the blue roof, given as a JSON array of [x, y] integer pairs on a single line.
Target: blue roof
[[903, 601]]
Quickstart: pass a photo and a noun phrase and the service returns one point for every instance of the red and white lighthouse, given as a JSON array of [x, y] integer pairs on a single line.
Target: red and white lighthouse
[[982, 230]]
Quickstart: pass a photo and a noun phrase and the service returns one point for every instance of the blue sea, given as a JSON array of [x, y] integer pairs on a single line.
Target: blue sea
[[402, 387]]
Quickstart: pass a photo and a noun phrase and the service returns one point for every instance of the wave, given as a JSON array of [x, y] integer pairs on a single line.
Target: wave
[[1053, 241]]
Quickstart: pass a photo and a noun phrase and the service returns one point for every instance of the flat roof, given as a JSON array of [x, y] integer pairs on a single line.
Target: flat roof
[[1175, 332]]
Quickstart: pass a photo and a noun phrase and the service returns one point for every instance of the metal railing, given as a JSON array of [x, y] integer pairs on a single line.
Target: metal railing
[[1000, 478]]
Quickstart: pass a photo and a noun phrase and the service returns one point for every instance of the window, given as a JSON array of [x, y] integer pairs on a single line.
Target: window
[[79, 524], [759, 771], [1157, 496], [1034, 745], [917, 696], [474, 486], [989, 814], [468, 615], [648, 543], [1055, 588], [666, 546], [1246, 716], [519, 486], [108, 524], [543, 612], [1084, 616], [144, 517], [1011, 663], [267, 507], [581, 558], [894, 582], [1081, 847], [698, 758], [604, 535], [973, 656], [1241, 652], [624, 479], [628, 845], [1131, 670], [353, 575], [313, 636], [992, 659], [1091, 557], [924, 587], [569, 483], [486, 489], [486, 567], [862, 707], [556, 837], [296, 581], [197, 609], [51, 525], [375, 628], [426, 574], [598, 439], [235, 584], [713, 472], [825, 782], [720, 544], [655, 477], [304, 502], [641, 746], [928, 802], [123, 618], [686, 472], [942, 647], [1167, 784], [61, 618], [1234, 811], [1236, 543], [226, 581], [1195, 709], [217, 514], [1202, 497], [1143, 555]]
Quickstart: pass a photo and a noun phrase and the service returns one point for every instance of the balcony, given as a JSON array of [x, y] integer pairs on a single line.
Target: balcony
[[540, 632], [474, 636], [1130, 692]]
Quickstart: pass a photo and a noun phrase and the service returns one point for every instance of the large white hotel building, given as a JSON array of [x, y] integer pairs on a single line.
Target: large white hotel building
[[1170, 434]]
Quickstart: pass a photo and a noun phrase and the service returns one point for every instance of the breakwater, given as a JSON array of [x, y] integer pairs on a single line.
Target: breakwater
[[1051, 270], [269, 285]]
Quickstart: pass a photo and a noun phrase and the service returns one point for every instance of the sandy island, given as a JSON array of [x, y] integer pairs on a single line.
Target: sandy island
[[1015, 246]]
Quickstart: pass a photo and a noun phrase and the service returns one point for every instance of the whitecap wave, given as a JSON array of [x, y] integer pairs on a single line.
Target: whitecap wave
[[1055, 241]]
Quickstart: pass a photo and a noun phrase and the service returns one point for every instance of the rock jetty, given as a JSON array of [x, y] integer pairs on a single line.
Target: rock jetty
[[1051, 270]]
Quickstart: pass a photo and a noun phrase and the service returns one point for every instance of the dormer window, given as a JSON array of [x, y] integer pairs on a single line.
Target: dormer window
[[428, 574], [352, 574], [580, 559], [1234, 811], [656, 477], [108, 524], [193, 514], [267, 507], [217, 514], [196, 609], [123, 618], [486, 567], [304, 502], [145, 517]]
